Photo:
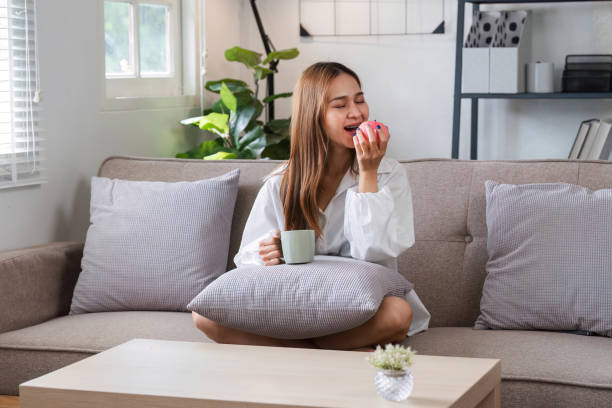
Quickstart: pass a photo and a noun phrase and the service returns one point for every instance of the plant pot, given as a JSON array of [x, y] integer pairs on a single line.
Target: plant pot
[[394, 385]]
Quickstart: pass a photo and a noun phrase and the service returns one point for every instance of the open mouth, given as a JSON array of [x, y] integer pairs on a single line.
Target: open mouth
[[351, 128]]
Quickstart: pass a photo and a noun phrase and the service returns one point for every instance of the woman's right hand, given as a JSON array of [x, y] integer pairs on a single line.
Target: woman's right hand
[[270, 249]]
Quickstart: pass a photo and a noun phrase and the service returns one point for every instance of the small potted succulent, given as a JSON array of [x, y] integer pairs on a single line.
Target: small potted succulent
[[394, 377]]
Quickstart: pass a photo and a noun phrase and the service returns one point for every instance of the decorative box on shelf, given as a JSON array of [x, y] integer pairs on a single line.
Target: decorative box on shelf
[[510, 52], [495, 52], [477, 54]]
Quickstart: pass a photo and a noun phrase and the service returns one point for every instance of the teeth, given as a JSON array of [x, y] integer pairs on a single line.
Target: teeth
[[351, 127]]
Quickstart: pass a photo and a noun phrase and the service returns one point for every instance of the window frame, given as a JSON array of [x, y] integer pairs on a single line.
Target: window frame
[[186, 36]]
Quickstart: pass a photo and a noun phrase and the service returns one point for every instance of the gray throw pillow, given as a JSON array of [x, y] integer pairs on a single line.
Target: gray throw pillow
[[329, 295], [154, 245], [550, 258]]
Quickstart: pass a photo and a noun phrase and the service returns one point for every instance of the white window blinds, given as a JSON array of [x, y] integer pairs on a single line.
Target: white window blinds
[[20, 144]]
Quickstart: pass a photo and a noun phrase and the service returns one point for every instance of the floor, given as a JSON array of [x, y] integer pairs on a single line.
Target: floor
[[9, 402]]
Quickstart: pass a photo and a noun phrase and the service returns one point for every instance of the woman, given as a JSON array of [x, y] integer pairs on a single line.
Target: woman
[[338, 183]]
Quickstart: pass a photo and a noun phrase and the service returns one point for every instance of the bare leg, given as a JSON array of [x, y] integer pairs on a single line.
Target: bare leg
[[390, 324], [222, 334]]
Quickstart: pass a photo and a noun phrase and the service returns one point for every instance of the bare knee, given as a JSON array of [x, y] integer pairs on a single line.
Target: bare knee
[[398, 317], [212, 329]]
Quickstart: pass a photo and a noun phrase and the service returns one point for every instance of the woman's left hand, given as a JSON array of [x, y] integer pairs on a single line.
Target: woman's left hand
[[370, 149]]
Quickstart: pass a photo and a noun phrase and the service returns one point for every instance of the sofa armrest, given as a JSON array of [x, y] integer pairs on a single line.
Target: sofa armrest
[[36, 283]]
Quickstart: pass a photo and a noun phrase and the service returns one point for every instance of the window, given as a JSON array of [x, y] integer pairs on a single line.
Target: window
[[20, 144], [142, 42]]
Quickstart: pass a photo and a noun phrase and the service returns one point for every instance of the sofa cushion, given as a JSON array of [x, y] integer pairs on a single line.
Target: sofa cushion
[[535, 394], [154, 245], [36, 350], [549, 258], [95, 332], [331, 294], [550, 357]]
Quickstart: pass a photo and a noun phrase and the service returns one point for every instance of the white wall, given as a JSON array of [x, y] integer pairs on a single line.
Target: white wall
[[409, 80], [79, 133]]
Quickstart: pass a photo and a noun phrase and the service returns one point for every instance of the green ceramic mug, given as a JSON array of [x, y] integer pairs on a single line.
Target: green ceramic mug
[[298, 246]]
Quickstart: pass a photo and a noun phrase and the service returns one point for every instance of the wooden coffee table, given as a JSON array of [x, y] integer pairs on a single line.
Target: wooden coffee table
[[160, 374]]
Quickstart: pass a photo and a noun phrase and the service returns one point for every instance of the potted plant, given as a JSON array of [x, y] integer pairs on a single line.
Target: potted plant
[[234, 118], [394, 377]]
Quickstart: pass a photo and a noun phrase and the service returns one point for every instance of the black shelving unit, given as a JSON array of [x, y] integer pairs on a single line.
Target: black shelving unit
[[474, 97]]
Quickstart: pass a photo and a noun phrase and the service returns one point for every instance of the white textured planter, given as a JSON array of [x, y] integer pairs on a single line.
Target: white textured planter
[[394, 385]]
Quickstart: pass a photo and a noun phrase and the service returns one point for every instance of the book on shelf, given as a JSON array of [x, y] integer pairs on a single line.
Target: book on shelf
[[607, 147], [583, 130], [602, 142], [588, 140]]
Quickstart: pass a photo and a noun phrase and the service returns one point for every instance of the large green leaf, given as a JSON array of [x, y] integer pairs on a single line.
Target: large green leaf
[[279, 127], [221, 156], [258, 110], [262, 72], [217, 107], [271, 98], [228, 98], [273, 138], [215, 122], [244, 99], [287, 54], [246, 154], [257, 144], [239, 121], [279, 151], [192, 121], [235, 85], [252, 137], [247, 57], [204, 149]]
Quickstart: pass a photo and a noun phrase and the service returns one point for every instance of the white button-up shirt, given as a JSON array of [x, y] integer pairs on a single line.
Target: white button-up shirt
[[373, 227]]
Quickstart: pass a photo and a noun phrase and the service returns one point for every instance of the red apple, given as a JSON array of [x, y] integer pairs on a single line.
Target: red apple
[[374, 125]]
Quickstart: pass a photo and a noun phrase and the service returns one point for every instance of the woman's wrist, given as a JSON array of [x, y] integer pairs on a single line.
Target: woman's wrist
[[368, 181]]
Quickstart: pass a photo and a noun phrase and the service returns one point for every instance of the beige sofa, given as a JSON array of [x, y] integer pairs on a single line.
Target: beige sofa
[[446, 264]]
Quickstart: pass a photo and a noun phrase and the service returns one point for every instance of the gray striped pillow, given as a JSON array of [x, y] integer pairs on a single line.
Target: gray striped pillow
[[329, 295], [154, 245], [550, 258]]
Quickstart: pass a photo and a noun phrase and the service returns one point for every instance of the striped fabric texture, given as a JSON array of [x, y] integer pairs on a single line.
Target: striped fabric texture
[[329, 295], [154, 245], [550, 258]]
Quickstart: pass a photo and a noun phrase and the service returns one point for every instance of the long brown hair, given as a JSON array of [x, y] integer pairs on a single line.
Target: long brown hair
[[309, 146]]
